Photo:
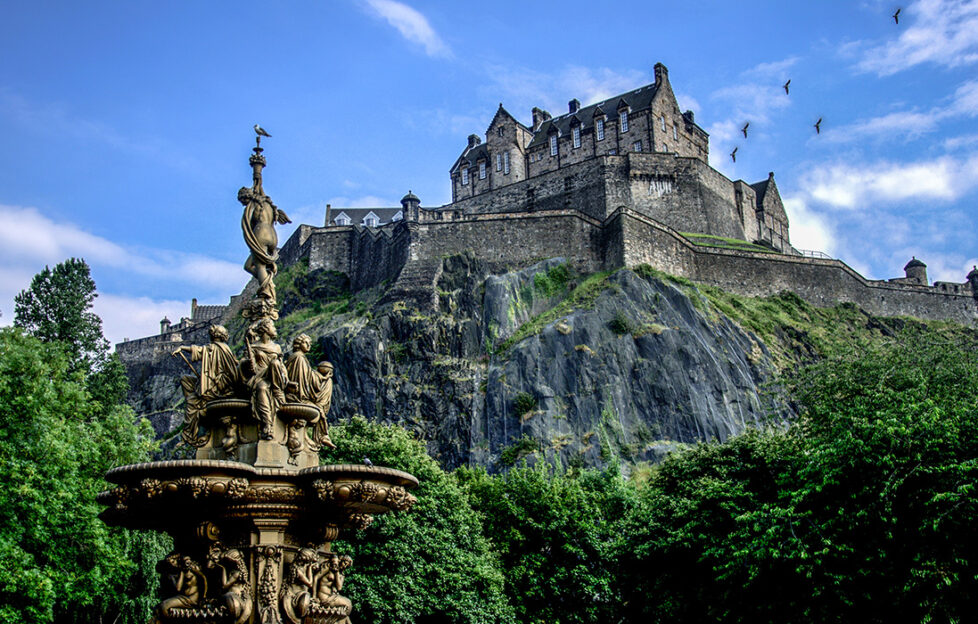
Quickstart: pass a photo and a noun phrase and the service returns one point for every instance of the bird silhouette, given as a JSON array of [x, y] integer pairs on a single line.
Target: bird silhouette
[[733, 154], [785, 85], [261, 131], [818, 124], [896, 17], [367, 462], [744, 129]]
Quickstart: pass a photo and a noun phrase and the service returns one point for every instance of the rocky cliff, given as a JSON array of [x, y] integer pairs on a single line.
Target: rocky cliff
[[538, 361]]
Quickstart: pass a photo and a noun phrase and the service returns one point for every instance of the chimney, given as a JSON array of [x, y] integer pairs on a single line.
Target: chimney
[[573, 106], [689, 116], [329, 209], [539, 116], [474, 140], [661, 74], [193, 308]]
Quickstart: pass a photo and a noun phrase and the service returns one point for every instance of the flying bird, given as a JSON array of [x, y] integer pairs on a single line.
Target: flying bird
[[733, 154], [367, 462], [744, 129], [785, 85], [261, 131], [896, 16], [818, 129]]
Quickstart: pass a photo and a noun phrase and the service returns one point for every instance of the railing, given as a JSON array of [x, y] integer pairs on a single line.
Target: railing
[[809, 253]]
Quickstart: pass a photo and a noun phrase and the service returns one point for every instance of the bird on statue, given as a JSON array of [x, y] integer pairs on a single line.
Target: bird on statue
[[261, 131], [367, 462]]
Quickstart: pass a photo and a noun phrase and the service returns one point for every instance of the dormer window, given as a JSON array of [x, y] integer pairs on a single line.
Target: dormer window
[[398, 216], [342, 219], [482, 170], [599, 129], [623, 120], [576, 135], [553, 144], [465, 175], [506, 163], [371, 220]]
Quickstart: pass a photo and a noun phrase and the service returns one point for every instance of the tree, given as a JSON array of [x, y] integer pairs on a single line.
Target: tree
[[60, 561], [431, 564], [56, 308], [862, 510], [556, 532]]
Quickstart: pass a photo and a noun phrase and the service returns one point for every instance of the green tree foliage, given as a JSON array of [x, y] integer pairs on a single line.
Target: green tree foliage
[[60, 562], [556, 532], [56, 308], [431, 564], [862, 511]]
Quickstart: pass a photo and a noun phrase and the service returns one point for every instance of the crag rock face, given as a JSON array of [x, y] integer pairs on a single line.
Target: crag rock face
[[535, 362]]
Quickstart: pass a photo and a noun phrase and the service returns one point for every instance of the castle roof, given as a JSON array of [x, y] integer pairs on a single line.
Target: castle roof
[[471, 155], [356, 215], [635, 100], [914, 262]]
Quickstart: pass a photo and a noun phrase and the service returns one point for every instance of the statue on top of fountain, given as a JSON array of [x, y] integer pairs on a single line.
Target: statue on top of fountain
[[261, 409]]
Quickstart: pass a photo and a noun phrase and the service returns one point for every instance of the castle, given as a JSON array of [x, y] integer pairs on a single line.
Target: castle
[[618, 183]]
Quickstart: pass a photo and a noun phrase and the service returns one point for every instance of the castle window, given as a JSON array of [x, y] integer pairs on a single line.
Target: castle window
[[662, 121], [576, 133], [499, 131], [623, 120], [599, 129], [553, 144], [506, 163], [342, 219], [482, 170], [465, 175], [371, 220], [675, 133], [397, 216], [637, 146], [499, 162]]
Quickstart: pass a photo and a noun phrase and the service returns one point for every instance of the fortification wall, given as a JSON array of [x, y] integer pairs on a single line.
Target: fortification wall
[[821, 282]]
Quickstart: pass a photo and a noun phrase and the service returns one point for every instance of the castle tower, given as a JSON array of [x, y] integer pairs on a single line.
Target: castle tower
[[916, 270], [973, 280], [164, 325], [411, 207]]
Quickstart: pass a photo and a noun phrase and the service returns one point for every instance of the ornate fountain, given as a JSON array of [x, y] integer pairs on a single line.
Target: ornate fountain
[[254, 515]]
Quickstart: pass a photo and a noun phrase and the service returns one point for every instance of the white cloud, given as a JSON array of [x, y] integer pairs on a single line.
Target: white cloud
[[753, 102], [809, 230], [135, 317], [29, 241], [910, 124], [412, 25], [942, 32], [959, 142], [773, 69], [848, 185]]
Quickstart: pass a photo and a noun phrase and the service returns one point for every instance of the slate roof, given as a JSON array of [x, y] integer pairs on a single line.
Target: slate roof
[[208, 312], [472, 156], [636, 100], [357, 214]]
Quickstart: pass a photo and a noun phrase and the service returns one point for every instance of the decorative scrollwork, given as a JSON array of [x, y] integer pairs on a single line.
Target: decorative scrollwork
[[151, 488], [269, 556], [399, 500], [325, 490], [364, 491], [360, 521], [237, 487], [196, 486]]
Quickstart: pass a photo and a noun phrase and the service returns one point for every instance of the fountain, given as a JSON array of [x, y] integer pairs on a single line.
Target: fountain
[[254, 514]]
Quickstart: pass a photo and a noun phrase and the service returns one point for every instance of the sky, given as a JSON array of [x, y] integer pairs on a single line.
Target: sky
[[125, 127]]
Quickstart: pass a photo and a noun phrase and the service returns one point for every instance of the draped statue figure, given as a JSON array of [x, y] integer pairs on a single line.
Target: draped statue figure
[[217, 378], [311, 385]]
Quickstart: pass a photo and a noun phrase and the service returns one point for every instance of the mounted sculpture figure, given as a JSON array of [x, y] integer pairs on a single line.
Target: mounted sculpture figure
[[258, 226]]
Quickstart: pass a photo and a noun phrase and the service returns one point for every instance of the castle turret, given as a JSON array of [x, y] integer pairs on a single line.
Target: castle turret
[[164, 325], [916, 270], [411, 206], [973, 279]]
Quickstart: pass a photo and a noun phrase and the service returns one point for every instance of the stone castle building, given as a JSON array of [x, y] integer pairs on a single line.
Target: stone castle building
[[617, 183]]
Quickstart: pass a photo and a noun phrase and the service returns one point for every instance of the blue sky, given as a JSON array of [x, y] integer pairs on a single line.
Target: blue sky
[[126, 127]]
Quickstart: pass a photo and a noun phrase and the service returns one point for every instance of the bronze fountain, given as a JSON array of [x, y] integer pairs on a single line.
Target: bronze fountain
[[254, 514]]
